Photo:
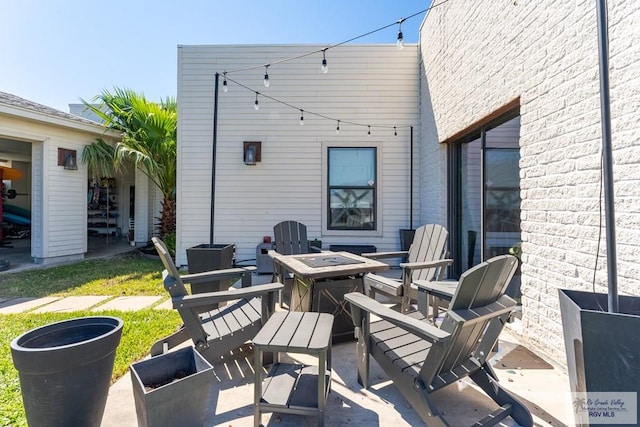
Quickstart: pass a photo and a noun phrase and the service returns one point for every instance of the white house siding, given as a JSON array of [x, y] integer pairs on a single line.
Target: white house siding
[[59, 196], [479, 56], [367, 84]]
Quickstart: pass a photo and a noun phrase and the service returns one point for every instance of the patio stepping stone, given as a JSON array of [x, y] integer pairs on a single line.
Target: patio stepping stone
[[166, 305], [71, 304], [128, 303], [19, 305]]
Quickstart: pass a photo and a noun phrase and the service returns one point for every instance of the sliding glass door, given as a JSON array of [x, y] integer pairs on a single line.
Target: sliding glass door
[[484, 183]]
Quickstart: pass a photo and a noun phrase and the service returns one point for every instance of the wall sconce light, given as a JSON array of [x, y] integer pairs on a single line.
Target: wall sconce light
[[67, 159], [252, 152]]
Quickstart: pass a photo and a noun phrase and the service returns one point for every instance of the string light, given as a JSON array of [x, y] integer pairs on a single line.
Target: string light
[[266, 75], [400, 42], [322, 116], [325, 67]]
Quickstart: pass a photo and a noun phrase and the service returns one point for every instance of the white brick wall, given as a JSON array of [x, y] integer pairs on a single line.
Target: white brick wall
[[478, 56]]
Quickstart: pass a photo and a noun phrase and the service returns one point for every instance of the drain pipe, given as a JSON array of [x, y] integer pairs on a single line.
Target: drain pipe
[[411, 180], [213, 158]]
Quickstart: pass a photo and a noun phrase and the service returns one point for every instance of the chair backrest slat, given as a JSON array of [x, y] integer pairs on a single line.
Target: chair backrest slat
[[478, 287], [291, 238], [175, 286], [429, 244], [171, 277]]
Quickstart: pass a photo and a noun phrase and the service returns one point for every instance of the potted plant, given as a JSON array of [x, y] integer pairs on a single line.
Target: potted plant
[[65, 370], [172, 389]]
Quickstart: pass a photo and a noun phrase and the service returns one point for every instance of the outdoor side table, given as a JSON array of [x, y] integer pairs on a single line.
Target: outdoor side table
[[429, 292], [288, 387]]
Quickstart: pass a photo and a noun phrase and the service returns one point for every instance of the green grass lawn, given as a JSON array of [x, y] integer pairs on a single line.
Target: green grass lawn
[[129, 274]]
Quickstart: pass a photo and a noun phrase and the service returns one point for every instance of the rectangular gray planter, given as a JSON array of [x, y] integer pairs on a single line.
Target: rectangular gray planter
[[603, 349], [172, 389], [207, 257]]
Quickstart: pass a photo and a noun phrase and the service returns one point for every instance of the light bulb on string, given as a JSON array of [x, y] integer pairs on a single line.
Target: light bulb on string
[[395, 132], [400, 41], [301, 117], [256, 105], [266, 76], [338, 128], [369, 131], [225, 86], [325, 67]]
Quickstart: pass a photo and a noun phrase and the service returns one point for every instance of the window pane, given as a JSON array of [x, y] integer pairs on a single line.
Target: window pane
[[351, 167], [351, 209]]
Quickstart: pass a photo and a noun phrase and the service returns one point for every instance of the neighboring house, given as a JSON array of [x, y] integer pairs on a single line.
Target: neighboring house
[[36, 140], [504, 100]]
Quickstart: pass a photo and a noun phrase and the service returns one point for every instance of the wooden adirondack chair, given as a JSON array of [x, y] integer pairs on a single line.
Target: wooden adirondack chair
[[290, 238], [421, 358], [218, 331], [424, 261]]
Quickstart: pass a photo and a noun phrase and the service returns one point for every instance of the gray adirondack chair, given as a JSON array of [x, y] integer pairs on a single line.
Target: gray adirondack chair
[[290, 238], [425, 260], [214, 332], [421, 358]]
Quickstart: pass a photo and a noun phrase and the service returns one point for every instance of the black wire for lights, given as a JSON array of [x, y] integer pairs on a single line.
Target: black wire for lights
[[595, 267], [323, 50], [311, 112]]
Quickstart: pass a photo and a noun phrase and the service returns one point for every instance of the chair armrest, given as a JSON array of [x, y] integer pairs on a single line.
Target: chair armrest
[[417, 327], [504, 305], [228, 273], [208, 298], [426, 264], [381, 255], [444, 289]]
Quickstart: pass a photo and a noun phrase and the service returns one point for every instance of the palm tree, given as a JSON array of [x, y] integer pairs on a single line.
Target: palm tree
[[148, 132]]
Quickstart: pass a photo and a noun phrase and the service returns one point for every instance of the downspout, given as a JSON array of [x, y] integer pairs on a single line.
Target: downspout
[[213, 158], [411, 181]]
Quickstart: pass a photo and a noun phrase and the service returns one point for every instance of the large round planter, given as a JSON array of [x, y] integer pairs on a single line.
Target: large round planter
[[65, 370]]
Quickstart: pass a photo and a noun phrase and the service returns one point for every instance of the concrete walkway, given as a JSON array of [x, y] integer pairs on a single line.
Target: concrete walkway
[[75, 303], [541, 386]]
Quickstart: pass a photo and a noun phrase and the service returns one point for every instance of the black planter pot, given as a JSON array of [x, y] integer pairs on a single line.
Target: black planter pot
[[603, 349], [172, 389], [65, 370], [207, 257]]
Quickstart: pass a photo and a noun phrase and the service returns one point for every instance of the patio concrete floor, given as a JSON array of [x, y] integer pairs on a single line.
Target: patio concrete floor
[[543, 387]]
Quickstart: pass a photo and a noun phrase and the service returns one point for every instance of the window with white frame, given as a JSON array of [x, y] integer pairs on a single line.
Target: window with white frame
[[351, 188]]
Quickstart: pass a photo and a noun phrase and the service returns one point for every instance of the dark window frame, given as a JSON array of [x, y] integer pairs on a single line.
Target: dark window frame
[[369, 225]]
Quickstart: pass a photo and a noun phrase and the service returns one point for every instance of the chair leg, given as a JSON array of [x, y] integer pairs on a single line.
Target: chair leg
[[486, 379], [362, 350], [167, 343], [413, 391]]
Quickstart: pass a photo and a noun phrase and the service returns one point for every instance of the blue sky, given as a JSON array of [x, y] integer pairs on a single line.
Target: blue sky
[[56, 52]]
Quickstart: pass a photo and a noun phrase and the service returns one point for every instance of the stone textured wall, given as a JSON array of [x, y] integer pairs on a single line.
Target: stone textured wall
[[478, 56]]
